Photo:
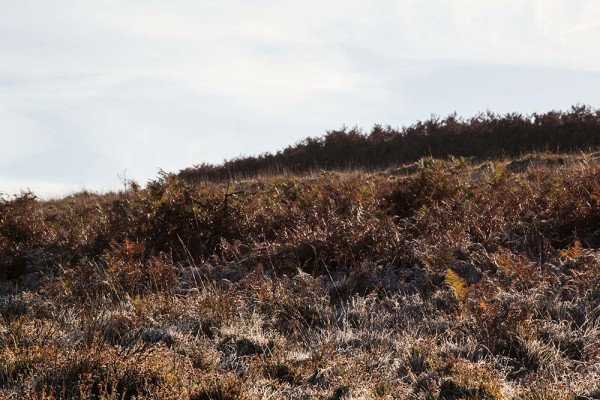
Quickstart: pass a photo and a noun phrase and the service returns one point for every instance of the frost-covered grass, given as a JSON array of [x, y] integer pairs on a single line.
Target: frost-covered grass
[[444, 279]]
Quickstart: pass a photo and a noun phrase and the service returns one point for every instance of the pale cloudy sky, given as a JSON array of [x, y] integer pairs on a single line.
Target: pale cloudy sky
[[89, 89]]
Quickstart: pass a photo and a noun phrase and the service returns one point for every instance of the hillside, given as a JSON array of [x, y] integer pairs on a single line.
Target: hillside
[[437, 279], [486, 136]]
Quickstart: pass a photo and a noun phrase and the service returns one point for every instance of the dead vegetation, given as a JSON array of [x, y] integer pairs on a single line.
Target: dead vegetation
[[447, 280]]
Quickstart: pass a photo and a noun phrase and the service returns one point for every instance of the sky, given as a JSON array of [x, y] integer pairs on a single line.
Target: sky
[[92, 92]]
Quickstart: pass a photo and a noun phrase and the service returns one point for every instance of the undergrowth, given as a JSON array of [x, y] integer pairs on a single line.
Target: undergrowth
[[439, 280]]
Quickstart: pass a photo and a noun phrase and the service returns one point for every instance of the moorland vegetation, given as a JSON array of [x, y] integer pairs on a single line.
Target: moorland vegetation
[[445, 278], [484, 136]]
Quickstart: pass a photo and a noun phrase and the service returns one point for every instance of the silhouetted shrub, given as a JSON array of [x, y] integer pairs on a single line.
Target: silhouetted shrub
[[486, 135]]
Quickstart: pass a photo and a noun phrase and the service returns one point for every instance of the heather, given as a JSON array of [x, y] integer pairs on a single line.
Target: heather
[[451, 278], [485, 136]]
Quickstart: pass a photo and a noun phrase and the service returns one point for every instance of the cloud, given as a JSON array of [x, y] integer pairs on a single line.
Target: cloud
[[88, 89], [43, 189]]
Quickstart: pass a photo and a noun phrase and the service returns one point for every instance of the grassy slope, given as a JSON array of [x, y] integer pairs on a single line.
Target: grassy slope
[[438, 280]]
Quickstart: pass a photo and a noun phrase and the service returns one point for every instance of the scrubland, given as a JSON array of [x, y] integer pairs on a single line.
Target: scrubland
[[442, 279]]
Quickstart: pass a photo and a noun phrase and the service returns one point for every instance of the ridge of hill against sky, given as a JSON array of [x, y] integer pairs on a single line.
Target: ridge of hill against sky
[[91, 89]]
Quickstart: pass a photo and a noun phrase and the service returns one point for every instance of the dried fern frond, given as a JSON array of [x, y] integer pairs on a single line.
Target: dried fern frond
[[459, 285]]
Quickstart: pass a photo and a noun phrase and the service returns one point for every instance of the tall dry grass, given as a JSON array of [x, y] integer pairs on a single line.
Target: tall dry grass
[[443, 279]]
